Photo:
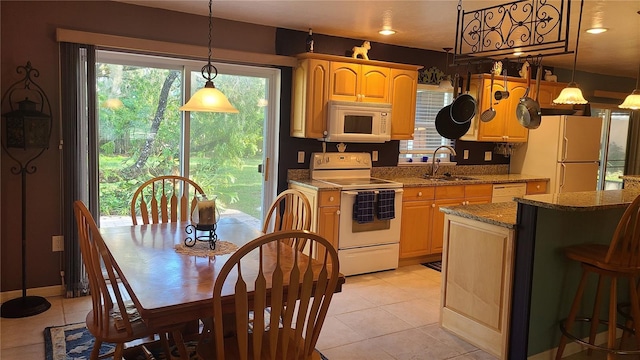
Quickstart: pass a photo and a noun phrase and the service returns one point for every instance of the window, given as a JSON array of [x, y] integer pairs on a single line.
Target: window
[[429, 100]]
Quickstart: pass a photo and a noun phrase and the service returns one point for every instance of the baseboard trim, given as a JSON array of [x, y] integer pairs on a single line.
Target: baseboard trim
[[46, 291], [573, 347]]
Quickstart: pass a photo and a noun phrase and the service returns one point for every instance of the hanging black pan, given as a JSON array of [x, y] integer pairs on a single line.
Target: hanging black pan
[[445, 126], [463, 108]]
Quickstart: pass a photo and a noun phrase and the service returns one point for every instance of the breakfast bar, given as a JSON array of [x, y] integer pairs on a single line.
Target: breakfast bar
[[538, 281]]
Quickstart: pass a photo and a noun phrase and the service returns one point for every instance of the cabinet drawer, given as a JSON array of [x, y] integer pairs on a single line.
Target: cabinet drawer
[[478, 190], [536, 187], [450, 192], [329, 198], [418, 193]]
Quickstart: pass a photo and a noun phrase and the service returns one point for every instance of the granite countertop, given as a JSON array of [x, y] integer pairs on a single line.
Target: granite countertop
[[476, 179], [582, 201], [630, 177], [501, 214]]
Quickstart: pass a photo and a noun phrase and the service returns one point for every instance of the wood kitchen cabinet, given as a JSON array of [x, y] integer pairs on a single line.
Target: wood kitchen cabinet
[[476, 305], [404, 85], [310, 94], [319, 78], [357, 82], [422, 221], [416, 223], [325, 209], [505, 126], [537, 187]]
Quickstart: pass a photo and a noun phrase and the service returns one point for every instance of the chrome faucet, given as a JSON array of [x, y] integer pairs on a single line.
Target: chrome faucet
[[436, 164]]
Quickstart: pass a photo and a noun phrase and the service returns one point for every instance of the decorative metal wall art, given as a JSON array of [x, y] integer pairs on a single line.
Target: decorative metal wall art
[[431, 76], [527, 26]]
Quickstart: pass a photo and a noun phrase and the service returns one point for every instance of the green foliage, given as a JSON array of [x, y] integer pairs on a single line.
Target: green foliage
[[225, 149]]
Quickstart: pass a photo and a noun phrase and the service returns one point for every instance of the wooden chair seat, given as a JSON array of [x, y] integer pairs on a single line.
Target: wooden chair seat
[[596, 255], [208, 350], [620, 260], [109, 294]]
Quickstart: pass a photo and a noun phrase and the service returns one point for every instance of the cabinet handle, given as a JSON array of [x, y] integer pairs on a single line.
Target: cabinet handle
[[538, 187], [419, 193], [433, 205], [331, 198], [337, 212]]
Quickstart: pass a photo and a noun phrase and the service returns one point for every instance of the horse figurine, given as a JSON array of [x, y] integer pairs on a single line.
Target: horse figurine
[[362, 50], [550, 77]]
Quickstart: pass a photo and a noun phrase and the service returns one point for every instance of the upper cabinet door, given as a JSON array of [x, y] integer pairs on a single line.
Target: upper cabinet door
[[375, 84], [404, 85], [515, 132], [345, 81], [309, 98]]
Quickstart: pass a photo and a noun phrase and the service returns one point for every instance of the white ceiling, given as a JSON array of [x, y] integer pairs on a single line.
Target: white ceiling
[[431, 24]]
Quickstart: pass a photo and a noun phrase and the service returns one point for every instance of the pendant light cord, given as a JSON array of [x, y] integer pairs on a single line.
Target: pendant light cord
[[575, 58], [210, 28]]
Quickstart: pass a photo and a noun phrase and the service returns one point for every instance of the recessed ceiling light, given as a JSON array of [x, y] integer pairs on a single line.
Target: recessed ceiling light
[[598, 30], [386, 32]]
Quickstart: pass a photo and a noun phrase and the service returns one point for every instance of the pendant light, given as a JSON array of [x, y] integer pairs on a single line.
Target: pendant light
[[632, 101], [572, 93], [209, 98]]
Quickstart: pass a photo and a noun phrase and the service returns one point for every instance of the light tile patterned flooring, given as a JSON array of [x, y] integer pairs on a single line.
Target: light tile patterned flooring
[[381, 316]]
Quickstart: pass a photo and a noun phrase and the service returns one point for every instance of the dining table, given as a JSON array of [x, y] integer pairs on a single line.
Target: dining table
[[169, 287]]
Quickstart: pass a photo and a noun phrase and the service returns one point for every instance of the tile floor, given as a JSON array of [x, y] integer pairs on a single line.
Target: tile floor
[[381, 316]]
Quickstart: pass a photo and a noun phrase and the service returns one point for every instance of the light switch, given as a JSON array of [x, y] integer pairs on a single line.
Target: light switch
[[487, 155], [374, 155], [465, 154], [300, 157]]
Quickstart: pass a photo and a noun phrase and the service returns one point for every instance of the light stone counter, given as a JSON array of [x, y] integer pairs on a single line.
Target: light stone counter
[[582, 201], [501, 214], [476, 179]]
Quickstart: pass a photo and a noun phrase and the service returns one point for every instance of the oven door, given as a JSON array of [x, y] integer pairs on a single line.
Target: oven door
[[353, 235]]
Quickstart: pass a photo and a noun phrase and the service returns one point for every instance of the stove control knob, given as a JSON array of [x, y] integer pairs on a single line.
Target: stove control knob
[[358, 159]]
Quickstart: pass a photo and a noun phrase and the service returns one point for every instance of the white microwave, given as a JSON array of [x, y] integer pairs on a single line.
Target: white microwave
[[358, 122]]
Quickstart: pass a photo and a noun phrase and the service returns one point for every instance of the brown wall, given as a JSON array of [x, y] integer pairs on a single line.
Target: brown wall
[[28, 33]]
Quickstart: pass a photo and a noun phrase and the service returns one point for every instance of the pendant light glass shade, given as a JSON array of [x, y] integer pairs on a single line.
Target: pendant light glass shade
[[445, 84], [209, 99], [570, 95], [632, 101]]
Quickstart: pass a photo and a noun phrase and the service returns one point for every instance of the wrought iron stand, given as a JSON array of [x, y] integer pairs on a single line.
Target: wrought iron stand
[[26, 305], [209, 235]]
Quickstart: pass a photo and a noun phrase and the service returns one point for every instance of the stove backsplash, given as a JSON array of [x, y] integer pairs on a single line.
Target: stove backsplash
[[391, 172]]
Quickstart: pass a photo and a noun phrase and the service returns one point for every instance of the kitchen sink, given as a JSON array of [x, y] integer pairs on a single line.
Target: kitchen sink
[[448, 178]]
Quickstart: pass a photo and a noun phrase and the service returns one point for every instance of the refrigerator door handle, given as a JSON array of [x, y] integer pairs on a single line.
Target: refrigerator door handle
[[565, 148], [563, 169]]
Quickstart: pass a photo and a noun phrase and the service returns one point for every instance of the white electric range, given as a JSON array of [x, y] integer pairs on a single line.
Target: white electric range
[[369, 246]]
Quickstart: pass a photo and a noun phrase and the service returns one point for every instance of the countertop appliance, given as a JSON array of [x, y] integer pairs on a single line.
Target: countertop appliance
[[565, 149], [369, 246], [351, 121]]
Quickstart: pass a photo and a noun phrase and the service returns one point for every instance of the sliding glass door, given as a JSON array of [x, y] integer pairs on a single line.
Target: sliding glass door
[[142, 133]]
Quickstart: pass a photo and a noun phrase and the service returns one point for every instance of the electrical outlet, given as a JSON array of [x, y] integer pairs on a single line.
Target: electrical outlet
[[57, 243], [374, 155], [487, 155], [465, 154], [300, 157]]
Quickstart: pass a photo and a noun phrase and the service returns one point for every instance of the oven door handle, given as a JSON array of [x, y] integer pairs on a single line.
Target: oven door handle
[[349, 192]]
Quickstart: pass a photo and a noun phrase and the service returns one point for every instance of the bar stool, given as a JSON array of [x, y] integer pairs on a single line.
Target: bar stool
[[619, 260]]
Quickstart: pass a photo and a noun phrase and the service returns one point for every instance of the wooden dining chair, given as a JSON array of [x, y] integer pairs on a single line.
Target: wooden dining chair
[[163, 199], [281, 286], [113, 318], [289, 211], [620, 260]]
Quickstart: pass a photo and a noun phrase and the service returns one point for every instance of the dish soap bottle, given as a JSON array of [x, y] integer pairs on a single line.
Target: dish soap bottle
[[310, 41]]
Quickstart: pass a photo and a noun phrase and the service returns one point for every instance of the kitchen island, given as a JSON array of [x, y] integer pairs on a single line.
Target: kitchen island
[[541, 282]]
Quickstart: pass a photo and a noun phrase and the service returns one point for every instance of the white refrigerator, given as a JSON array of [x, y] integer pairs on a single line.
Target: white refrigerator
[[565, 149]]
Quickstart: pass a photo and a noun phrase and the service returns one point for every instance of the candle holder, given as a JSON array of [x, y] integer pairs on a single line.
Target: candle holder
[[205, 217]]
